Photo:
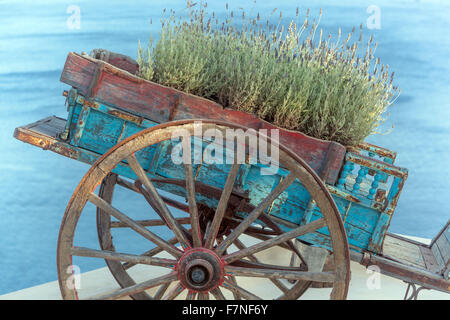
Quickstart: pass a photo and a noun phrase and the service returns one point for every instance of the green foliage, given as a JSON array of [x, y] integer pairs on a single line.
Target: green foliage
[[292, 77]]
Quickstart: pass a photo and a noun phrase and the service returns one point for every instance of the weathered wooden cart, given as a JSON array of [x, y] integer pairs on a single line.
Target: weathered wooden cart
[[325, 205]]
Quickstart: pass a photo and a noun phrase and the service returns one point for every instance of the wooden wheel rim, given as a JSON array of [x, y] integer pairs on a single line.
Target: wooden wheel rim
[[153, 135]]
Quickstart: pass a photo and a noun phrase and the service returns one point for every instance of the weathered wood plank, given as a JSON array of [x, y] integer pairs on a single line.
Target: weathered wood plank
[[115, 87], [438, 257], [315, 256], [429, 259], [403, 271], [121, 61], [443, 247], [403, 251], [78, 73], [379, 232]]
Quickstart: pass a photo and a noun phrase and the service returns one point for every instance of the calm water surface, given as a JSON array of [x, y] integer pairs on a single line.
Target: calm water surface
[[34, 41]]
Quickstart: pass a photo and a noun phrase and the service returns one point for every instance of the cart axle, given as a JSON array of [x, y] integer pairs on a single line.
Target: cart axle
[[200, 270]]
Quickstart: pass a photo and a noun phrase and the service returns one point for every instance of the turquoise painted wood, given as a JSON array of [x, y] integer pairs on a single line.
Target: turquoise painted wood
[[366, 192]]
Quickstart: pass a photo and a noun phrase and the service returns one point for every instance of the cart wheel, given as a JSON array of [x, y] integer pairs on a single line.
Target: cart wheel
[[199, 260], [119, 270]]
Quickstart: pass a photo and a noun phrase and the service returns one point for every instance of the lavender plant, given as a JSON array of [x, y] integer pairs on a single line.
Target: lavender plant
[[291, 76]]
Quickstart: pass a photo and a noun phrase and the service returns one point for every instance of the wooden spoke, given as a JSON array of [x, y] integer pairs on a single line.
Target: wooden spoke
[[267, 220], [241, 291], [191, 295], [151, 201], [244, 263], [168, 201], [264, 237], [217, 294], [150, 253], [149, 223], [233, 222], [174, 292], [106, 192], [106, 207], [310, 227], [190, 192], [112, 255], [176, 204], [203, 296], [161, 207], [283, 185], [213, 229], [161, 290], [233, 280], [276, 282], [137, 287], [155, 207], [281, 274], [126, 184], [236, 295]]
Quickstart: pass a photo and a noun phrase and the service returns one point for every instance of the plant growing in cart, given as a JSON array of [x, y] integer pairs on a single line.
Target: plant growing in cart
[[295, 77]]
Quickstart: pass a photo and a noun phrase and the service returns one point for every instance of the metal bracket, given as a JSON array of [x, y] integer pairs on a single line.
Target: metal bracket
[[415, 291], [70, 102]]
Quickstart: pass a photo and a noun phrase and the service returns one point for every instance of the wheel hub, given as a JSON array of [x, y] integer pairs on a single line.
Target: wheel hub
[[200, 270]]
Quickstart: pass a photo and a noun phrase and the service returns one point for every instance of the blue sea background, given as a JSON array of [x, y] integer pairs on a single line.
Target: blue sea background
[[35, 186]]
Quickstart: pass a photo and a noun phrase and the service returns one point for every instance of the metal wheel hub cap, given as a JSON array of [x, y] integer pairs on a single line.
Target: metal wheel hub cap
[[200, 270]]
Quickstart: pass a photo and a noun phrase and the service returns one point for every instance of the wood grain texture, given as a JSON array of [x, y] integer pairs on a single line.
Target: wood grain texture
[[403, 251], [113, 86]]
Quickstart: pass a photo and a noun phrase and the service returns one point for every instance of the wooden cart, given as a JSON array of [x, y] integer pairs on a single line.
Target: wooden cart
[[326, 204]]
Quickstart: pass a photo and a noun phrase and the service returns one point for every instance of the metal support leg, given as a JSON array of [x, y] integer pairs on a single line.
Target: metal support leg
[[415, 291]]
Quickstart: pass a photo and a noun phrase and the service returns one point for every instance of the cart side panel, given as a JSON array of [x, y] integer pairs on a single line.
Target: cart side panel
[[359, 224], [359, 219], [96, 131], [78, 73], [104, 83], [97, 128]]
